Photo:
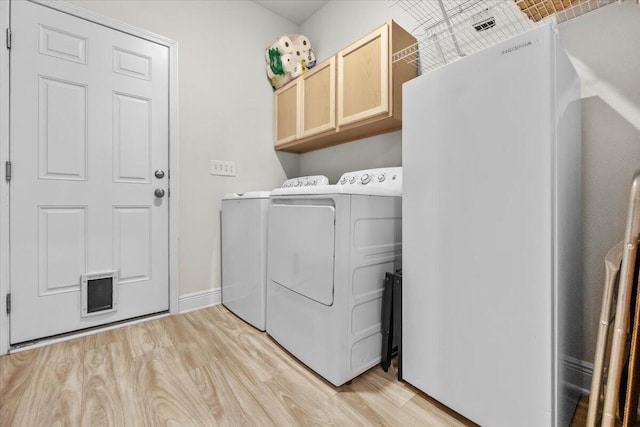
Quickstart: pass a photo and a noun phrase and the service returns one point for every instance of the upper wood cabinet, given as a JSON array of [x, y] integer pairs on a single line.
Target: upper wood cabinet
[[363, 78], [318, 99], [354, 94], [307, 105], [286, 118]]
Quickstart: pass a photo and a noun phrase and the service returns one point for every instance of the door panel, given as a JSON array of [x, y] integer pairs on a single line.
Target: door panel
[[62, 129], [63, 45], [131, 138], [131, 64], [132, 239], [89, 121], [62, 248], [301, 249]]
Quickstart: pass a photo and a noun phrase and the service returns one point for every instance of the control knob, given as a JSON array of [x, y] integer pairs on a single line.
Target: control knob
[[381, 177], [365, 179], [352, 180]]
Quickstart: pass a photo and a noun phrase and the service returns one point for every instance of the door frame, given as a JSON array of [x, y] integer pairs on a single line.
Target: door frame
[[106, 21]]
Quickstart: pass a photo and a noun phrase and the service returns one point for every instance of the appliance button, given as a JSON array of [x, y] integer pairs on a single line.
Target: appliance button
[[352, 180], [381, 177], [343, 180], [366, 178]]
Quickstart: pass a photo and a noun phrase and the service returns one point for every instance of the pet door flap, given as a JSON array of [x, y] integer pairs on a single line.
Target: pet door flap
[[99, 293]]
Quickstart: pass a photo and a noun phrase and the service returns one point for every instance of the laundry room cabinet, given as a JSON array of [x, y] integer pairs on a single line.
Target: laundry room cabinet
[[286, 109], [318, 99], [355, 94], [306, 106], [363, 82]]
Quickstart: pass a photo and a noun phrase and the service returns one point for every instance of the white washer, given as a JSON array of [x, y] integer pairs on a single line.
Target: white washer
[[329, 249], [244, 250]]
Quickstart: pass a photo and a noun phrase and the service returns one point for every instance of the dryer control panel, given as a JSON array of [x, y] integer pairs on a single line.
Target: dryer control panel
[[306, 181], [389, 179]]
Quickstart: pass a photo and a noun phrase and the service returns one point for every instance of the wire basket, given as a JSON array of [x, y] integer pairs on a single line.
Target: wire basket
[[448, 30]]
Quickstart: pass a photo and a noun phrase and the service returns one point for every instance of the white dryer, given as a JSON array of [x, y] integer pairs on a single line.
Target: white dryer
[[329, 249], [244, 250]]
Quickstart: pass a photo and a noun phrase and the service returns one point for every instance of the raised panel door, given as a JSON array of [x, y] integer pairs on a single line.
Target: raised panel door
[[89, 125]]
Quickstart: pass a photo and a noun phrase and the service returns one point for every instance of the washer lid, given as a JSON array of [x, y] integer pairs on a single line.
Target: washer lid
[[248, 195]]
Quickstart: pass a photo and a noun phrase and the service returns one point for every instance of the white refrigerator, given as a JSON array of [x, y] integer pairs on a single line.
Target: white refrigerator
[[491, 148]]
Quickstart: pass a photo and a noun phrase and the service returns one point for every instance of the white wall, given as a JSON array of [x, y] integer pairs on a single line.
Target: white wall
[[604, 47], [225, 113]]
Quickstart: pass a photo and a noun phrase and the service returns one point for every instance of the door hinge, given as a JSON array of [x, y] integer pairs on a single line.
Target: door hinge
[[7, 171], [9, 303], [8, 38]]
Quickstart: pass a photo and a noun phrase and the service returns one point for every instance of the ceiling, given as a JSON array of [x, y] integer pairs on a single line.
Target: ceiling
[[296, 11]]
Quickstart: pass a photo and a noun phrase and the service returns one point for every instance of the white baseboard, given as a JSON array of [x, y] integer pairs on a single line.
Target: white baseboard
[[578, 374], [198, 300]]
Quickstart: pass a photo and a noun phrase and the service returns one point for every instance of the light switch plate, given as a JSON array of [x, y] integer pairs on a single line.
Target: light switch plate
[[221, 167]]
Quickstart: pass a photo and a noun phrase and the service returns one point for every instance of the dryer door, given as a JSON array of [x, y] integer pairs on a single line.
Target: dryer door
[[301, 249]]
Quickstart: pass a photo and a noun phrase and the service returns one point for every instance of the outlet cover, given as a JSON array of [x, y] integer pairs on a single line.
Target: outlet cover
[[222, 167]]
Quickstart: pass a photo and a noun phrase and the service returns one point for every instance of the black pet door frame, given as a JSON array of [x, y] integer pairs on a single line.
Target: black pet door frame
[[99, 293]]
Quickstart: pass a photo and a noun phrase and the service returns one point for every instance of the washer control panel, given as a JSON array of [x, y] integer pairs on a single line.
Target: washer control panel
[[306, 181], [382, 178]]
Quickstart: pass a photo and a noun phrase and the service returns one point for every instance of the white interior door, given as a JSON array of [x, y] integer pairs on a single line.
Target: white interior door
[[89, 126]]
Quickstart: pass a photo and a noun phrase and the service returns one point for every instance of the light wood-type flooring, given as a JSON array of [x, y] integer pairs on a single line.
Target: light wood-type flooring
[[202, 368]]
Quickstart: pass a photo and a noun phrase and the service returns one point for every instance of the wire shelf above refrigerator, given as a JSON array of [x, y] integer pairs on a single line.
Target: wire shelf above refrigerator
[[448, 30]]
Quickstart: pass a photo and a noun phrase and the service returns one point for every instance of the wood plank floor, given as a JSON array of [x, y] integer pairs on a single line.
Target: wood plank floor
[[201, 368]]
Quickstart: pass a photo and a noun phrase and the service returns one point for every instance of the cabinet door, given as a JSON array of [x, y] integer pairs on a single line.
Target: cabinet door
[[363, 78], [286, 113], [318, 99]]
